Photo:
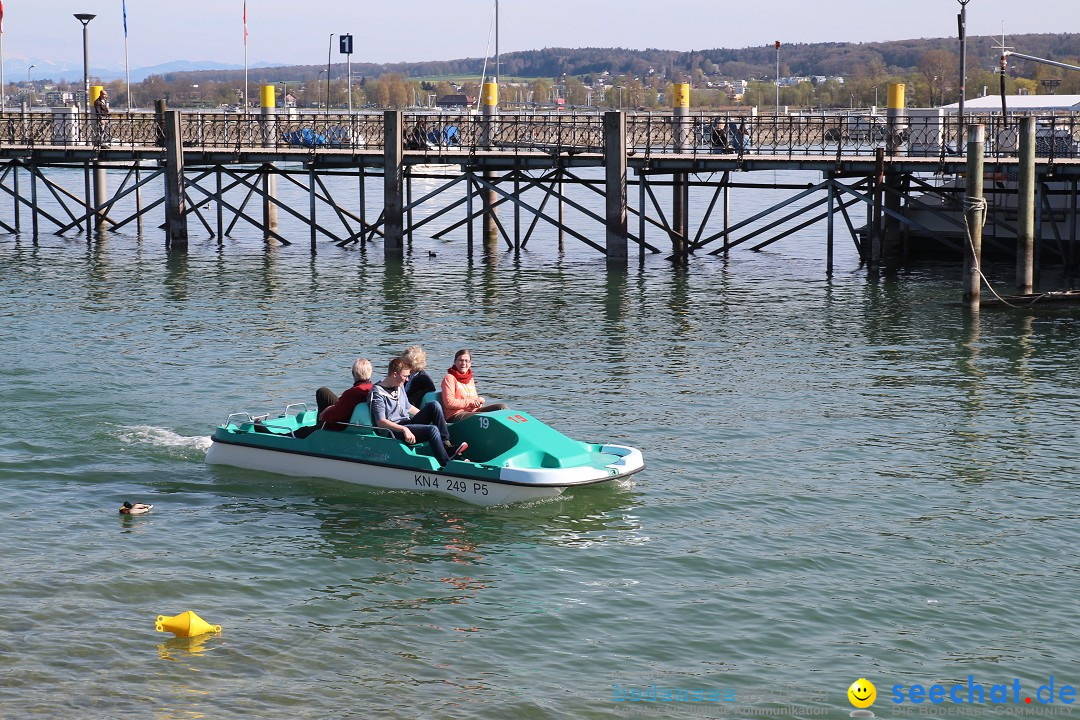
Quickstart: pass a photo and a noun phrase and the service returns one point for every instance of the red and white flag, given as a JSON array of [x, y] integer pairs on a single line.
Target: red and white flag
[[1, 16]]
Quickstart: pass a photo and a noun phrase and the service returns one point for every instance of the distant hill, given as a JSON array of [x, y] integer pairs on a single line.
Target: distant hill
[[58, 71], [846, 59]]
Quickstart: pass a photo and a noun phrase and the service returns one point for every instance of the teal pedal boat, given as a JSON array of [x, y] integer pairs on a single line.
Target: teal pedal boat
[[512, 456]]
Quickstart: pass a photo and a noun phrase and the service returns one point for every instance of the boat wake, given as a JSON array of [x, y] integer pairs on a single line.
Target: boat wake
[[163, 438]]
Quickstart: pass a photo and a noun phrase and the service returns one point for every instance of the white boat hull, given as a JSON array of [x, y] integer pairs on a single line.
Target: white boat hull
[[476, 492]]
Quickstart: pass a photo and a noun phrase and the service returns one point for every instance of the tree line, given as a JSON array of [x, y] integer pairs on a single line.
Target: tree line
[[620, 77]]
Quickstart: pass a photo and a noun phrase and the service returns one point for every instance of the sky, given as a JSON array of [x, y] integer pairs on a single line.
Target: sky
[[292, 32]]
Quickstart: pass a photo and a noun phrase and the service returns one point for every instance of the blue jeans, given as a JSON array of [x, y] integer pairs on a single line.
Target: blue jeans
[[429, 426]]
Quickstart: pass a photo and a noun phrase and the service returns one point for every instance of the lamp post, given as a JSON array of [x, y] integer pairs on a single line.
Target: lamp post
[[30, 88], [345, 42], [1050, 85], [329, 50], [85, 19], [777, 78], [875, 97], [284, 95], [962, 21]]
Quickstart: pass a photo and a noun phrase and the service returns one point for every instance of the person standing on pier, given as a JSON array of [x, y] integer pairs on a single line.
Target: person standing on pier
[[101, 109]]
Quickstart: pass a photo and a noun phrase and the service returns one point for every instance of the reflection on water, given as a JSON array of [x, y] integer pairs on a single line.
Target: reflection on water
[[176, 275], [803, 438], [354, 522], [178, 648]]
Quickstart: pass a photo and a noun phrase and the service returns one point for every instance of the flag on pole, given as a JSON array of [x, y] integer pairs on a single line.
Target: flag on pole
[[1, 16], [124, 4], [245, 22]]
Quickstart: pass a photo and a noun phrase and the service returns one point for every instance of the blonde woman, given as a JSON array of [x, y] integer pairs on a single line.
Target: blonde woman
[[419, 383]]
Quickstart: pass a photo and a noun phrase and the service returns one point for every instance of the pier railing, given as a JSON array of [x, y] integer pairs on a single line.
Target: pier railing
[[1058, 135]]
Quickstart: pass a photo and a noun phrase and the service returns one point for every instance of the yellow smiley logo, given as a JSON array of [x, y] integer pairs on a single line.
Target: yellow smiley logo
[[862, 693]]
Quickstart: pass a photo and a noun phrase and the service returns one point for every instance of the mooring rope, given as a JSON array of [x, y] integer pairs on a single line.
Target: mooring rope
[[978, 204]]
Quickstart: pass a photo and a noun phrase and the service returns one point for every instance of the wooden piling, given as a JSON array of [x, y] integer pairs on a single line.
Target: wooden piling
[[101, 194], [311, 205], [1025, 209], [269, 207], [393, 219], [363, 206], [680, 221], [86, 199], [15, 187], [488, 132], [727, 210], [220, 209], [641, 216], [138, 197], [408, 203], [517, 210], [877, 241], [176, 231], [470, 190], [559, 192], [615, 184], [33, 200], [974, 207], [829, 226], [1040, 190], [1071, 259]]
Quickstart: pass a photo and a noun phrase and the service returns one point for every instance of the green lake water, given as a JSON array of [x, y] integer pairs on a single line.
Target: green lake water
[[846, 477]]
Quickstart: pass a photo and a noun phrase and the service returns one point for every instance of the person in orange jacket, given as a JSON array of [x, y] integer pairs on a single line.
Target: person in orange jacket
[[459, 397]]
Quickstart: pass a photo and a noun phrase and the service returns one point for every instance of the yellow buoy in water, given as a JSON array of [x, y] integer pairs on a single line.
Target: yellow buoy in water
[[186, 624]]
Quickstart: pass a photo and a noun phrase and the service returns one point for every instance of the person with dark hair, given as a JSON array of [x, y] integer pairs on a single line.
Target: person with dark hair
[[101, 109], [391, 409], [459, 397]]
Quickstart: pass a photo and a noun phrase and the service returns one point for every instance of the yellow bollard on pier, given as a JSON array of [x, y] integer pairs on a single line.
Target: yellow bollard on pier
[[186, 624], [680, 96], [896, 96], [490, 95]]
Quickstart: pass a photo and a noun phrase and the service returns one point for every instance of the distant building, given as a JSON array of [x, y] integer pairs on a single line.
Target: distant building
[[56, 98], [451, 101], [1018, 103]]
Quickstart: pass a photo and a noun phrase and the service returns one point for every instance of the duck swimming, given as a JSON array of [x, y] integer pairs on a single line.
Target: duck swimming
[[134, 509]]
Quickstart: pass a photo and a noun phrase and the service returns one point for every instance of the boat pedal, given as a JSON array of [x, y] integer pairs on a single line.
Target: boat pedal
[[260, 428]]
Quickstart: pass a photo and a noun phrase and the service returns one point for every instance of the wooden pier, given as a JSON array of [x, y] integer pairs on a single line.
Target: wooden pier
[[196, 162]]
